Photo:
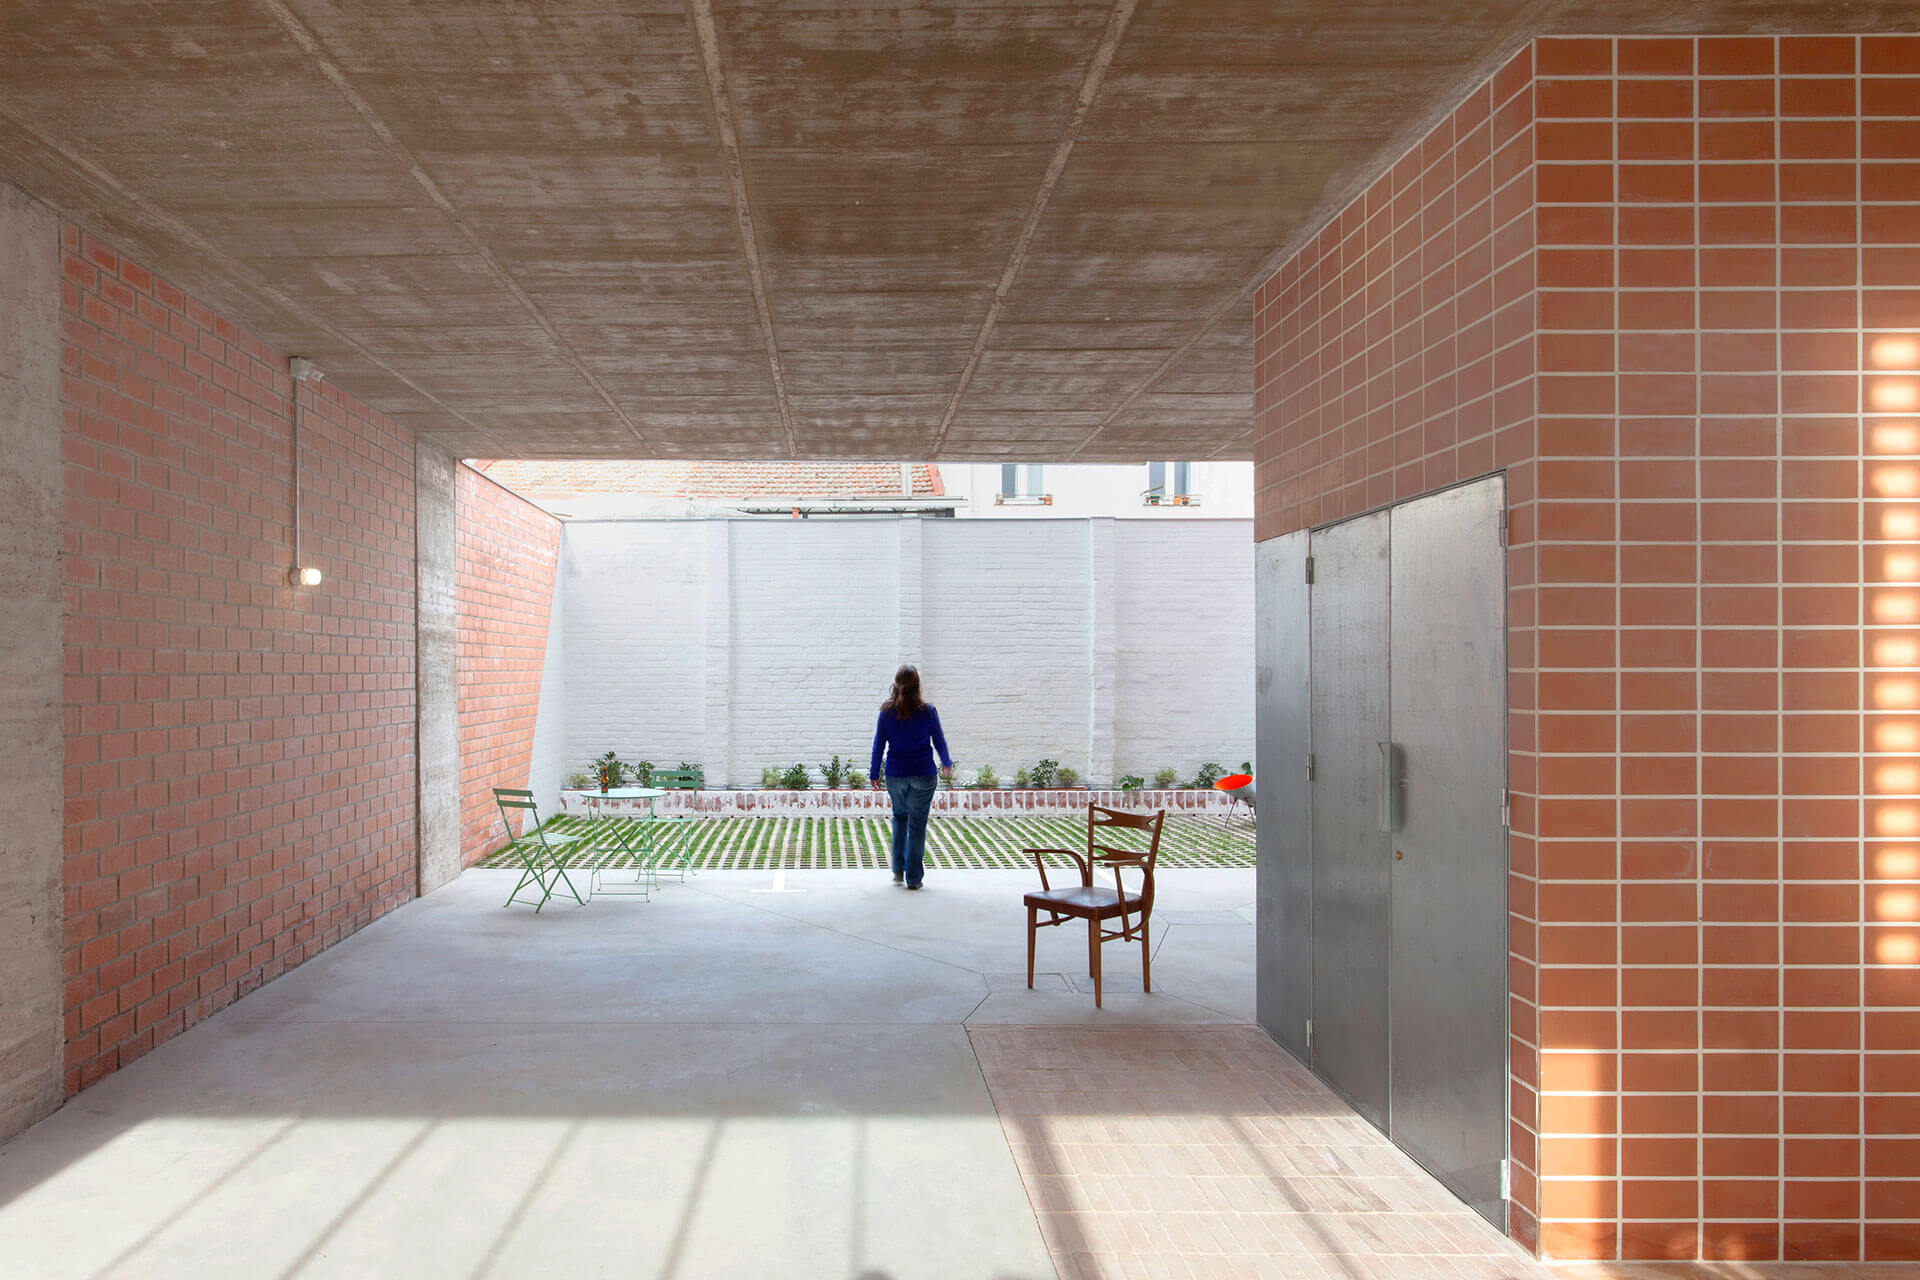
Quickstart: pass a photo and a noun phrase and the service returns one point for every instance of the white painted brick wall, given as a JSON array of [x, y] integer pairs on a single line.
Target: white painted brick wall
[[816, 635], [636, 626], [1007, 611], [1183, 648], [746, 644]]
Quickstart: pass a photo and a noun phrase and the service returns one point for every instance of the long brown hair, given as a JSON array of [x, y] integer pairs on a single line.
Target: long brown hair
[[905, 699]]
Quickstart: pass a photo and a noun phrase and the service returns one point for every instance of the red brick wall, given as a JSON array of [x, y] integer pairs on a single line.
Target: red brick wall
[[508, 550], [1718, 777], [1396, 355], [240, 770]]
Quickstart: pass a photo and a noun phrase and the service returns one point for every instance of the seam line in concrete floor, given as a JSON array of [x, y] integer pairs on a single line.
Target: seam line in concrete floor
[[1172, 994], [827, 928]]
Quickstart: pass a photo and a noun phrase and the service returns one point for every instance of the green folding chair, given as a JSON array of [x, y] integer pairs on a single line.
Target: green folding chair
[[670, 835], [621, 842], [537, 849]]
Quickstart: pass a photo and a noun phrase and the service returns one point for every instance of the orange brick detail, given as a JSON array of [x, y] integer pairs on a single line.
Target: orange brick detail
[[1687, 325], [507, 553], [239, 754]]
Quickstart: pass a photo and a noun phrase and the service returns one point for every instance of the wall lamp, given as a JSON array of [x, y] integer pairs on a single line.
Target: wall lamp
[[302, 574]]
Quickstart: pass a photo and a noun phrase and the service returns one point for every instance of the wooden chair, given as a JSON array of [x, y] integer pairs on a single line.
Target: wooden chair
[[1097, 903]]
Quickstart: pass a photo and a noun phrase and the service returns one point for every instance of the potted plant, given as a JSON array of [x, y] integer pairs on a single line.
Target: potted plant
[[608, 769], [1022, 779], [834, 772], [643, 773], [1132, 782], [581, 781], [856, 779], [769, 779], [1209, 774], [1164, 778], [985, 779], [1067, 777], [795, 779], [1044, 772]]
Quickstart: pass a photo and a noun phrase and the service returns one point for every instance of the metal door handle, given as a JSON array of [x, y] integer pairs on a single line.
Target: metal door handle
[[1389, 788]]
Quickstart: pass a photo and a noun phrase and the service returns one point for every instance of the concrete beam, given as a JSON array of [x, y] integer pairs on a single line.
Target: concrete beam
[[436, 646], [32, 749]]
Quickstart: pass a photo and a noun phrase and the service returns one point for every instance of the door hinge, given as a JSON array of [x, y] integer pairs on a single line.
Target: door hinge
[[1309, 1033], [1309, 570], [1506, 807], [1309, 766], [1503, 526], [1506, 1179]]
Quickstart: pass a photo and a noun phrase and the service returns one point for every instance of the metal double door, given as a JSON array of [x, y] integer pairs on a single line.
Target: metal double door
[[1407, 708]]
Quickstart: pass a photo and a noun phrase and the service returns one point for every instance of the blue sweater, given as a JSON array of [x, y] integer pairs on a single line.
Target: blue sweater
[[909, 744]]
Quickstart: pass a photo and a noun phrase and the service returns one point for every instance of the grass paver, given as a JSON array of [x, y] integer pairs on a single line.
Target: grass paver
[[953, 844]]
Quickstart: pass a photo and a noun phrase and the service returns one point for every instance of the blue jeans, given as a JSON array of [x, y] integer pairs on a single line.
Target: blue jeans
[[912, 800]]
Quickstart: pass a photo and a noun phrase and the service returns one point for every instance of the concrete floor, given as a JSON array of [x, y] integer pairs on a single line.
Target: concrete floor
[[732, 1082], [720, 1082], [728, 1081]]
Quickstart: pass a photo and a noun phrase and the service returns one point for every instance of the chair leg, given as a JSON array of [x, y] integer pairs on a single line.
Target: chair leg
[[562, 873], [1146, 960], [1032, 928], [1093, 956]]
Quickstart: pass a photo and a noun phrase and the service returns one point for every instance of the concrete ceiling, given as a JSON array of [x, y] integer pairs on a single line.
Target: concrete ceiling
[[953, 229]]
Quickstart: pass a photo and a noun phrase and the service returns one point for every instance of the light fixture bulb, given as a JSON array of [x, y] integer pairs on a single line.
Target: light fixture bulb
[[304, 577]]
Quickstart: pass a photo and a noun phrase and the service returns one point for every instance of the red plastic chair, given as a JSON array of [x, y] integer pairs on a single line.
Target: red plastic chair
[[1239, 786]]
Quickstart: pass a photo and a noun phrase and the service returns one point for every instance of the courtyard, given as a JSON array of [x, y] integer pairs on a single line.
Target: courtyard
[[1493, 426]]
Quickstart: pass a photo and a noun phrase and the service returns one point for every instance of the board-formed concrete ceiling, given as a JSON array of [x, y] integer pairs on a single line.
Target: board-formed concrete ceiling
[[924, 229]]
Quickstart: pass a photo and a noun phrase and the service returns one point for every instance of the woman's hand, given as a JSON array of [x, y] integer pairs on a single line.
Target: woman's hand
[[947, 773], [878, 784]]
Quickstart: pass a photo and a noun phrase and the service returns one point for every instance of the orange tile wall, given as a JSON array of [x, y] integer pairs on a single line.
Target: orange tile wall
[[1715, 618], [239, 754], [507, 553]]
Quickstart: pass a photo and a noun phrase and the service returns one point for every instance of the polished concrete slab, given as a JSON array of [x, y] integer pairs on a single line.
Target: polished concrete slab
[[724, 1081]]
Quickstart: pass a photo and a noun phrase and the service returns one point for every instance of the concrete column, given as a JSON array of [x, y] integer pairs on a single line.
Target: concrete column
[[436, 650], [716, 752], [1102, 678], [912, 575], [32, 747]]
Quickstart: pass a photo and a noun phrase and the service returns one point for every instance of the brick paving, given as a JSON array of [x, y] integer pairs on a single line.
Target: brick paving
[[953, 844], [1201, 1152]]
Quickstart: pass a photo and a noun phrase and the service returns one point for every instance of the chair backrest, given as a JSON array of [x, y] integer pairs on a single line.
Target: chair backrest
[[680, 779], [512, 800], [1098, 817]]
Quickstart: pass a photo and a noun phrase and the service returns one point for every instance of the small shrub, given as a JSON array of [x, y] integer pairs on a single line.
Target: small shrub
[[1067, 777], [1132, 782], [1044, 773], [834, 772], [1246, 766], [580, 781], [856, 779], [1209, 774], [769, 779], [795, 779], [986, 779], [643, 773], [608, 770], [1021, 778], [1164, 778]]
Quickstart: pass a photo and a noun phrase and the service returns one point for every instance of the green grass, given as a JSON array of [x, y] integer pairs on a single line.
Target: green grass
[[953, 844]]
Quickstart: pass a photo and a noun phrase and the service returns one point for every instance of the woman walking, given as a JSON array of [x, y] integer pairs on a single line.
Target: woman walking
[[907, 735]]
